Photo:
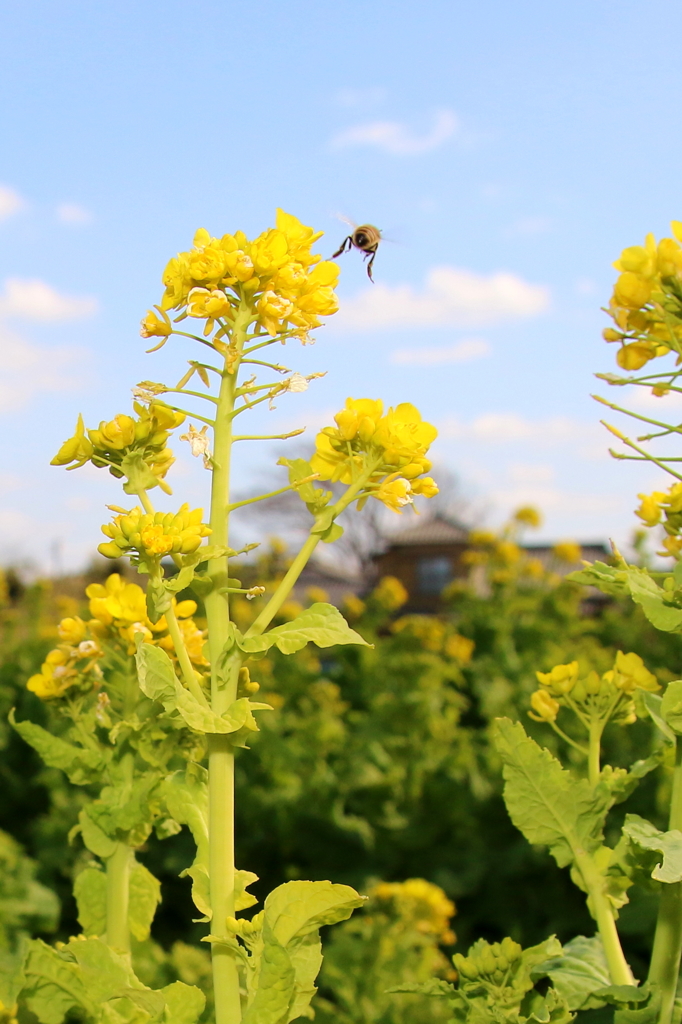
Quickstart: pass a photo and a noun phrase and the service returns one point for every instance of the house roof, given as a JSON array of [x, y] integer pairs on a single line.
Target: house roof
[[430, 531]]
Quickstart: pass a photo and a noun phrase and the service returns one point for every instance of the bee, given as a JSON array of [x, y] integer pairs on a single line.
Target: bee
[[366, 238]]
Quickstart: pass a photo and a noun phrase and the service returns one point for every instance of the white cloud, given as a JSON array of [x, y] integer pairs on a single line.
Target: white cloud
[[27, 370], [463, 351], [452, 297], [498, 428], [10, 202], [72, 213], [397, 138], [36, 300]]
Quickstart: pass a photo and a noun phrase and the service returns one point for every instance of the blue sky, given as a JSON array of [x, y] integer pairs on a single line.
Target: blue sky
[[509, 151]]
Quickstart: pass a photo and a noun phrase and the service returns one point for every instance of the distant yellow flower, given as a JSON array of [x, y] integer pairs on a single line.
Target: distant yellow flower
[[567, 551], [528, 516], [390, 593], [459, 647]]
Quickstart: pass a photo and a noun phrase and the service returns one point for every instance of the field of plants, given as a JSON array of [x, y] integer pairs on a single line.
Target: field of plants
[[476, 816]]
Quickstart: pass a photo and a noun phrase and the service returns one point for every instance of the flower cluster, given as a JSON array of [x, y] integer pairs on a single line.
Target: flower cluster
[[666, 508], [154, 535], [119, 613], [488, 963], [419, 901], [72, 663], [608, 696], [646, 305], [394, 446], [286, 285], [437, 636], [114, 443]]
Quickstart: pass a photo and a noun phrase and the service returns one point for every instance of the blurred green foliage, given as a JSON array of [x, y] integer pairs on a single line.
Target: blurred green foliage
[[375, 764]]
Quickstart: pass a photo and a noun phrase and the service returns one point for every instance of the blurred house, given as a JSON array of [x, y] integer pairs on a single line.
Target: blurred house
[[425, 558]]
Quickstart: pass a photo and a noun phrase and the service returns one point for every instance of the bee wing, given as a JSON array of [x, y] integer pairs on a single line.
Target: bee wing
[[346, 220]]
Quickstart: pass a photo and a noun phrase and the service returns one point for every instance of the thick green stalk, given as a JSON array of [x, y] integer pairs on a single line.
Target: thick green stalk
[[223, 693], [615, 958], [118, 895], [667, 951], [594, 750]]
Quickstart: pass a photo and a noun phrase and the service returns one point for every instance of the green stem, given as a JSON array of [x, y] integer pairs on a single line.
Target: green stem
[[619, 969], [301, 560], [118, 894], [594, 750], [184, 660], [667, 951], [224, 678]]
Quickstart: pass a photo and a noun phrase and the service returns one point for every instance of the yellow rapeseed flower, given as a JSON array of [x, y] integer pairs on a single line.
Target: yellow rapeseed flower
[[154, 535], [545, 707], [567, 551], [390, 593], [630, 673], [561, 679]]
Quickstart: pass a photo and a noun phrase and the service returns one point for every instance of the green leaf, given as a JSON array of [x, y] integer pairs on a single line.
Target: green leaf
[[126, 807], [90, 978], [80, 765], [652, 702], [654, 601], [181, 580], [243, 899], [275, 988], [295, 909], [158, 600], [577, 972], [669, 844], [12, 976], [671, 706], [90, 891], [321, 624], [158, 681], [610, 579], [184, 1003], [145, 896], [97, 841], [186, 796], [544, 801], [54, 985], [637, 1005]]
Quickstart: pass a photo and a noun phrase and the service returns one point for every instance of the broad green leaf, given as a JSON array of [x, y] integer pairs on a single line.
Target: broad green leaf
[[54, 985], [126, 807], [671, 706], [275, 985], [184, 1003], [577, 972], [97, 841], [306, 959], [12, 976], [80, 765], [636, 1005], [295, 909], [321, 624], [654, 601], [145, 896], [158, 600], [544, 801], [158, 681], [652, 702], [610, 579], [181, 580], [243, 899], [90, 891], [186, 796], [668, 844]]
